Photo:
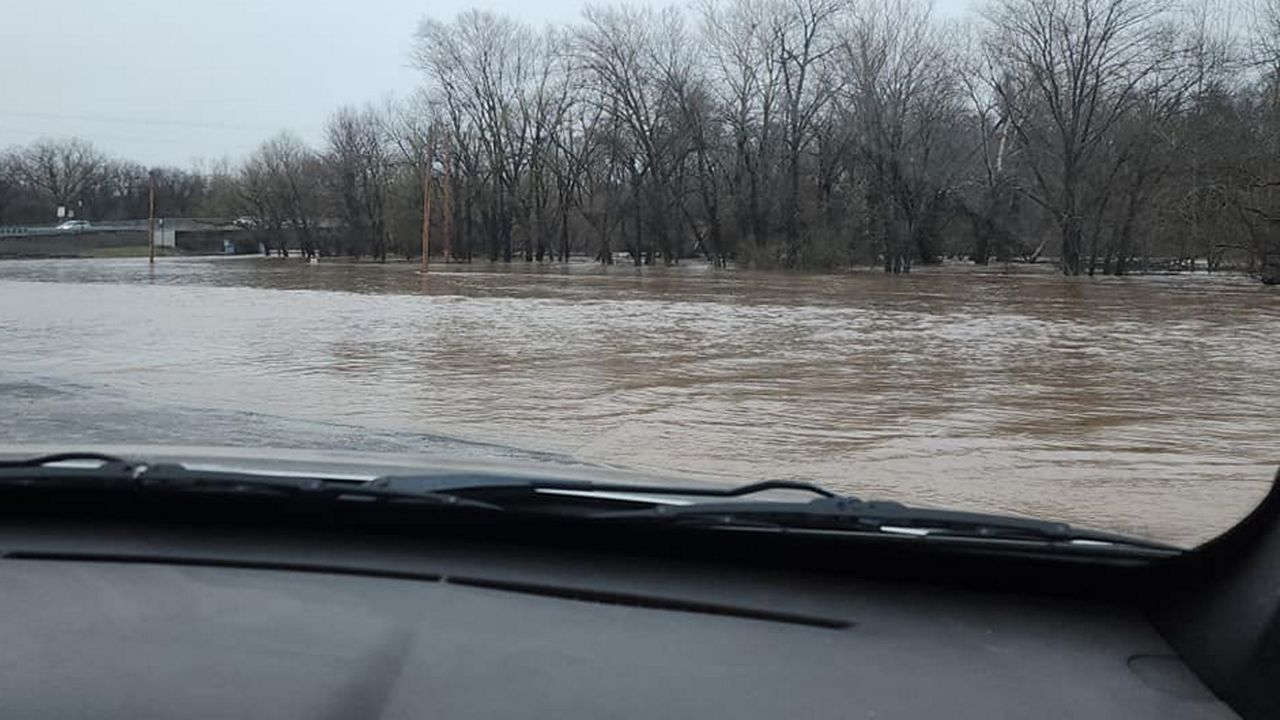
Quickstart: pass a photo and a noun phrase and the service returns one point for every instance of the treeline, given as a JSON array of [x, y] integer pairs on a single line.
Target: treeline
[[73, 174], [1109, 135]]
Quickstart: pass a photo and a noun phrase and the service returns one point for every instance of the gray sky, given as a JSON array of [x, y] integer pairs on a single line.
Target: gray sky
[[167, 81], [170, 81]]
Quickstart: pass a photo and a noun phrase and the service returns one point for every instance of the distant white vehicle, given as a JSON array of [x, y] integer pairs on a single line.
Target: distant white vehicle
[[74, 225]]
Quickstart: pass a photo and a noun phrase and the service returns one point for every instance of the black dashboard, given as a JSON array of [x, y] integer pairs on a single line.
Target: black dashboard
[[123, 619]]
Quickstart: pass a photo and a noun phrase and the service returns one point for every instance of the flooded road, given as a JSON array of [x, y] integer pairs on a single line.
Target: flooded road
[[1144, 405]]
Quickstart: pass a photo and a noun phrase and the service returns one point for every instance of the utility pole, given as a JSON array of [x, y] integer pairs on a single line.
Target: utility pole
[[151, 216], [447, 199], [426, 205]]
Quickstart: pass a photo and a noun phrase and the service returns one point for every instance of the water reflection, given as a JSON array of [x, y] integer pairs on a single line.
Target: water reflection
[[1144, 405]]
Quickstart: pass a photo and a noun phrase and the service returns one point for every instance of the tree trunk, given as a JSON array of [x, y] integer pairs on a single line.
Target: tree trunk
[[1072, 241], [1093, 255], [636, 254], [758, 233], [605, 255], [468, 226], [1269, 260], [981, 239], [564, 233], [793, 209], [532, 237]]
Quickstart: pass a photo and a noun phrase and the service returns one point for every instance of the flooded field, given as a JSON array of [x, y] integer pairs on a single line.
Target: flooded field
[[1145, 405]]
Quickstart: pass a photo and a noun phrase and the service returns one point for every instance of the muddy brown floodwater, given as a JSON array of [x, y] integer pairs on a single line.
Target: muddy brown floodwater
[[1146, 405]]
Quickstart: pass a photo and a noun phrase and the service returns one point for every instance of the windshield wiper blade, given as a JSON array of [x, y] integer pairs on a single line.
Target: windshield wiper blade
[[594, 501], [63, 457], [85, 468], [68, 470], [853, 515], [480, 490], [828, 511]]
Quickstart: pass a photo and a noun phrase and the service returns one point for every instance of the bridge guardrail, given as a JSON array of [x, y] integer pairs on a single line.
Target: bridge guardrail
[[28, 231]]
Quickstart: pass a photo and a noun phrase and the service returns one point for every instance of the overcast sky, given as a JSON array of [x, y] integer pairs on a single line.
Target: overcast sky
[[166, 82]]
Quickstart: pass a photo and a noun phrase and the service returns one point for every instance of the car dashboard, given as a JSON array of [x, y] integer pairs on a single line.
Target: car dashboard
[[127, 620]]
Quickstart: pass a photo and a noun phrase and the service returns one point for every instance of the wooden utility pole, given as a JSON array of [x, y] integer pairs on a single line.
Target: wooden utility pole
[[447, 199], [426, 206], [151, 216]]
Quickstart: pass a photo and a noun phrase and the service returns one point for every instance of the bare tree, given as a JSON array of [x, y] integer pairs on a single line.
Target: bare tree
[[479, 66], [279, 184], [993, 194], [358, 167], [799, 133], [805, 42], [1150, 142], [616, 49], [61, 171], [581, 168], [544, 107], [1069, 71], [222, 197], [902, 94], [746, 77], [1258, 196]]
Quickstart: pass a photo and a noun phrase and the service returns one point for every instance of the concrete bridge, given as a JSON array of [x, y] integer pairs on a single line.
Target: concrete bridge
[[184, 235]]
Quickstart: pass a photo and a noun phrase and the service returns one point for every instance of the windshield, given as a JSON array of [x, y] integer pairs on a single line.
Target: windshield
[[1017, 258]]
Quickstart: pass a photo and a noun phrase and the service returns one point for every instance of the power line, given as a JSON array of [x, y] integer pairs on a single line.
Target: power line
[[95, 136], [145, 122]]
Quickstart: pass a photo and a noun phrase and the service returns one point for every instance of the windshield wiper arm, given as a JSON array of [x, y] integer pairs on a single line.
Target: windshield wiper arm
[[479, 484], [854, 515]]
